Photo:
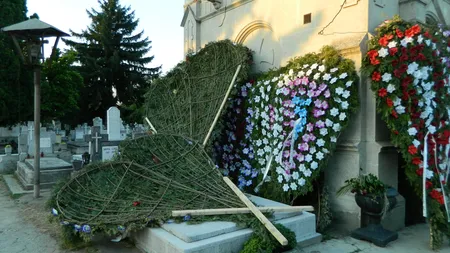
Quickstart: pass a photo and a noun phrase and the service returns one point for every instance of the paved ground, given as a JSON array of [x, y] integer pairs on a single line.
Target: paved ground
[[24, 228]]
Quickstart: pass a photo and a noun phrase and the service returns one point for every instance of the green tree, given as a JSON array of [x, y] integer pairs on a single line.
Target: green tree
[[16, 82], [112, 56], [60, 88]]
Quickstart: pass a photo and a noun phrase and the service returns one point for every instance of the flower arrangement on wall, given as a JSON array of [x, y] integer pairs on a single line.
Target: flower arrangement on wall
[[294, 116], [408, 65]]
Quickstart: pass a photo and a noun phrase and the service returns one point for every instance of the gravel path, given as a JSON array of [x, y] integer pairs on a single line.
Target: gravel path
[[24, 228]]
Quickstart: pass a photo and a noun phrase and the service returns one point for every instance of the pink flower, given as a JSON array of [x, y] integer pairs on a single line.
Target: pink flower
[[297, 82], [312, 85], [318, 103], [300, 157], [310, 127], [325, 105], [305, 80], [318, 113], [303, 147], [327, 94], [323, 87]]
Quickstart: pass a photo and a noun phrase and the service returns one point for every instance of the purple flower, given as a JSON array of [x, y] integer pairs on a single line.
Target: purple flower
[[325, 105], [322, 87], [285, 91], [320, 124], [318, 103], [305, 80], [303, 146], [327, 93], [297, 81], [300, 157], [311, 93], [310, 127], [286, 154], [318, 113], [301, 91], [312, 85]]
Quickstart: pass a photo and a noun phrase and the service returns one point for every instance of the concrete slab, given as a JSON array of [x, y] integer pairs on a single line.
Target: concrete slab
[[197, 232], [49, 163], [14, 187]]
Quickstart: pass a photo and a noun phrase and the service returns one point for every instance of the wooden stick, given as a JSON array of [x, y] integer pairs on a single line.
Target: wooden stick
[[220, 211], [224, 101], [151, 126], [272, 229]]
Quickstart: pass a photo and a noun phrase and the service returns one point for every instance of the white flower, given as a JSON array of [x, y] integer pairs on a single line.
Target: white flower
[[397, 101], [257, 99], [301, 73], [343, 75], [428, 42], [319, 156], [333, 139], [314, 66], [334, 112], [390, 88], [416, 143], [312, 150], [429, 174], [308, 72], [346, 94], [383, 52], [324, 131], [406, 40], [432, 129], [349, 83], [265, 141], [316, 76], [333, 80], [307, 173], [293, 186], [314, 165], [258, 143], [326, 77], [321, 68], [295, 175], [291, 72], [328, 123], [301, 182], [286, 187], [420, 39], [386, 77], [412, 131], [392, 44], [280, 179], [333, 70], [320, 143], [342, 116], [260, 152], [400, 109], [337, 127], [344, 105], [412, 67], [339, 90], [308, 158], [302, 168]]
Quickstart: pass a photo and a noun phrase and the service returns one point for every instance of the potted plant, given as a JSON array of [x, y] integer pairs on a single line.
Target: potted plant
[[371, 195], [8, 149]]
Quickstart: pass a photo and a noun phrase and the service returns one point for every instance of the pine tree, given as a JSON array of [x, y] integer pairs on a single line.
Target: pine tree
[[112, 56], [16, 81]]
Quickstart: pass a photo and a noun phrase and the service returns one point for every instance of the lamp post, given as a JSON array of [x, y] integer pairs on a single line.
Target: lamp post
[[31, 35]]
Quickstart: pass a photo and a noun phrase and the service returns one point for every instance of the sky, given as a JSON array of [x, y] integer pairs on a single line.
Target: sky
[[160, 21]]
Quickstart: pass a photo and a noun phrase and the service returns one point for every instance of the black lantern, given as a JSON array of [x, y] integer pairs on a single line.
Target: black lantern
[[31, 34]]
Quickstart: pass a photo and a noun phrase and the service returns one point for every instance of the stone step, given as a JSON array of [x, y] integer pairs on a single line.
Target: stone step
[[211, 237]]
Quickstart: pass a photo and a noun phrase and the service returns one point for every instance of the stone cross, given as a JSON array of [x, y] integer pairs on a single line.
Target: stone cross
[[95, 137]]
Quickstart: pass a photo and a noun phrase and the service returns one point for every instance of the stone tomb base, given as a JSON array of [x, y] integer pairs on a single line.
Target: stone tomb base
[[52, 169], [221, 237]]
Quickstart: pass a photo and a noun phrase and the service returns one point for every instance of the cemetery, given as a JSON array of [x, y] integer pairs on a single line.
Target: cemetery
[[258, 141]]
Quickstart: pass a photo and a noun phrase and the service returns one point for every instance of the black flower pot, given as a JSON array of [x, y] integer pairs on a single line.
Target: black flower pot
[[371, 213]]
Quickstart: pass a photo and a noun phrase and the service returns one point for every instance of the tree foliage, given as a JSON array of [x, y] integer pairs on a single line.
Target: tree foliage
[[112, 56], [61, 87], [16, 82]]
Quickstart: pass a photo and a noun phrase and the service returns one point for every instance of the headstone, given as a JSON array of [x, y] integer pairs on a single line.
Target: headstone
[[108, 152], [95, 139], [113, 124], [79, 134], [97, 121]]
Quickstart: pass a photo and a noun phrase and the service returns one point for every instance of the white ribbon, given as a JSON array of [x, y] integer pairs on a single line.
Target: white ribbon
[[280, 155], [424, 176]]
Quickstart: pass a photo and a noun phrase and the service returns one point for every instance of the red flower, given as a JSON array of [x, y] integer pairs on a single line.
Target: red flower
[[437, 195], [136, 203], [412, 31], [399, 33], [376, 76], [385, 40], [396, 132], [373, 57], [389, 102], [394, 114], [382, 92], [393, 50], [428, 184], [412, 149], [416, 161], [419, 172], [427, 34]]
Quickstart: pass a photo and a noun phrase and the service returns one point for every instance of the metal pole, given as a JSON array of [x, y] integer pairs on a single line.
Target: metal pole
[[37, 130]]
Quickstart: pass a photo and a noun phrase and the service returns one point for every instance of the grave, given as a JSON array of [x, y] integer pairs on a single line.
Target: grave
[[52, 169], [78, 145], [220, 236]]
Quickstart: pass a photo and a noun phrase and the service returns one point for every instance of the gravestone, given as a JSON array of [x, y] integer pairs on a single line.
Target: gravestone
[[79, 134], [108, 152], [113, 123], [97, 122], [95, 139]]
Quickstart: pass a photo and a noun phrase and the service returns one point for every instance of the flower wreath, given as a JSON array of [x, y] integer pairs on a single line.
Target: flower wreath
[[294, 118], [409, 69]]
